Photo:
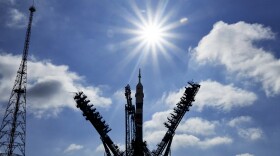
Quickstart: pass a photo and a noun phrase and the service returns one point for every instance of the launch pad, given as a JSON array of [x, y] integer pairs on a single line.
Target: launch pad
[[134, 144]]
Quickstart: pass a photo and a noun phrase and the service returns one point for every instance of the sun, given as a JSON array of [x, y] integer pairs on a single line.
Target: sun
[[151, 33]]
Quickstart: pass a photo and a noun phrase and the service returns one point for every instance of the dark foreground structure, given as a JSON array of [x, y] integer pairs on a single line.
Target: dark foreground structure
[[134, 144], [13, 127]]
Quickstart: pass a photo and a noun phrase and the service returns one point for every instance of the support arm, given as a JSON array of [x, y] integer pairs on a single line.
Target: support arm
[[176, 116], [96, 120]]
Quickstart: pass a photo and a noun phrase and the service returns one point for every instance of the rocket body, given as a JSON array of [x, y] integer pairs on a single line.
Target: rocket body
[[139, 95], [139, 112]]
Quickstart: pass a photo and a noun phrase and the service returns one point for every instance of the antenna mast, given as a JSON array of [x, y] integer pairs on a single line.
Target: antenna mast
[[13, 127]]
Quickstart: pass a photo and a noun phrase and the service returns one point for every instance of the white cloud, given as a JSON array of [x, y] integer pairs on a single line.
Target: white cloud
[[232, 45], [156, 123], [250, 133], [239, 120], [154, 131], [172, 97], [194, 125], [154, 137], [72, 148], [197, 126], [208, 143], [8, 67], [216, 95], [16, 19], [245, 154], [198, 132], [100, 148], [240, 123], [119, 96], [49, 86], [184, 140], [183, 20], [224, 97]]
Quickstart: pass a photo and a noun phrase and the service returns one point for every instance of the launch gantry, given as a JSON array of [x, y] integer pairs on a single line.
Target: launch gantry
[[134, 144]]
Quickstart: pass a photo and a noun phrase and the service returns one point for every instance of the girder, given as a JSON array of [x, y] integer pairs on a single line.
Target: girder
[[175, 118], [96, 120]]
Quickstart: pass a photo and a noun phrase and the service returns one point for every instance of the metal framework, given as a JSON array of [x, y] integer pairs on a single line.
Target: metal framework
[[176, 117], [98, 122], [13, 127], [134, 144], [130, 130]]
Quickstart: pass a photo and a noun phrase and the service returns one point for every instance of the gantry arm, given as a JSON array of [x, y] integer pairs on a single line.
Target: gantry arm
[[96, 120], [175, 118]]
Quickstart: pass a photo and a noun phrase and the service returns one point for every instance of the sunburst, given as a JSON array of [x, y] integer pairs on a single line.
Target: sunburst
[[151, 34]]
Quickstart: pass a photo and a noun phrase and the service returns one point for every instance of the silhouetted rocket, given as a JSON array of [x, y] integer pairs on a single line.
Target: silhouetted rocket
[[139, 95]]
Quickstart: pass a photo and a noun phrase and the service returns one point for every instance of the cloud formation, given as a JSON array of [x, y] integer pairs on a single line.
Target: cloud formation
[[16, 18], [183, 20], [185, 140], [223, 97], [100, 148], [239, 120], [195, 132], [245, 154], [49, 86], [156, 123], [197, 126], [243, 130], [216, 95], [251, 133], [72, 148], [198, 132], [233, 45]]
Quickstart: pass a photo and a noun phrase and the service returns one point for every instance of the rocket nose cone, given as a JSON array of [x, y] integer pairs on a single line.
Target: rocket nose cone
[[32, 9]]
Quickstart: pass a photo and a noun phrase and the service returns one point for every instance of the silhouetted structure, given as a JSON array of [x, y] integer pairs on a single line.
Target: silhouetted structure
[[134, 144], [13, 127]]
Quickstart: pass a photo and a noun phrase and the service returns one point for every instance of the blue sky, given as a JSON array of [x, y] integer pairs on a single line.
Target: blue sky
[[230, 47]]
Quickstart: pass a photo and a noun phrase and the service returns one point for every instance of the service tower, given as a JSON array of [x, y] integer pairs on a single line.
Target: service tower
[[134, 144], [139, 95]]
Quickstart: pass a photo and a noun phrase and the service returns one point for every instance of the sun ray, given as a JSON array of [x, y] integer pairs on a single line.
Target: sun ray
[[151, 34]]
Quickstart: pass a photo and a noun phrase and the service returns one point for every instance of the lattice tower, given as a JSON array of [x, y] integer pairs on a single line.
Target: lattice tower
[[13, 127]]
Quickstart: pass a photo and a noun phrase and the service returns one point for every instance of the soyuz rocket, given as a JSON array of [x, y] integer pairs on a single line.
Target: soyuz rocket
[[139, 95]]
